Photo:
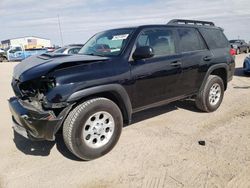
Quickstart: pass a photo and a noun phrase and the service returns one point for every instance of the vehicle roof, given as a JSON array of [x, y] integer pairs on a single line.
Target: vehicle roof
[[167, 25], [180, 25]]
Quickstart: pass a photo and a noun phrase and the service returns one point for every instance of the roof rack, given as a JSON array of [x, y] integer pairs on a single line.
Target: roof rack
[[191, 22]]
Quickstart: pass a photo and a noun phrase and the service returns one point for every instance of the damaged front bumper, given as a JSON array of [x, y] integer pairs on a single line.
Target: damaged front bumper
[[33, 123]]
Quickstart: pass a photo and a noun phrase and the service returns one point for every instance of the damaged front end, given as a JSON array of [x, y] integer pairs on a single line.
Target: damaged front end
[[42, 85], [33, 116]]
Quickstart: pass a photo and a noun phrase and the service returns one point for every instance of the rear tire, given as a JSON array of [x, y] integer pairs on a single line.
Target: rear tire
[[93, 128], [3, 59], [210, 97]]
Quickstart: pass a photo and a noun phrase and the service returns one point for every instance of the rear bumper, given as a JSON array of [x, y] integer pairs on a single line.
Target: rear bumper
[[33, 123]]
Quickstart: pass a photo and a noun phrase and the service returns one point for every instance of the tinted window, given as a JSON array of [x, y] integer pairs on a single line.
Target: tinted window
[[215, 38], [143, 40], [161, 40], [190, 40]]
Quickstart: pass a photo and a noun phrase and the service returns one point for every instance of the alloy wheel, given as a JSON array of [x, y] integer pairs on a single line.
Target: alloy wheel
[[98, 129]]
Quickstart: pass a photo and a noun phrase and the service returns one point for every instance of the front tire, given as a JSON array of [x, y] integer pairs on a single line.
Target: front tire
[[210, 97], [93, 128]]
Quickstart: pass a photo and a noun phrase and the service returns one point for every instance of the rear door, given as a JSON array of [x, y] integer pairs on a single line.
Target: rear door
[[194, 58], [219, 46], [155, 78]]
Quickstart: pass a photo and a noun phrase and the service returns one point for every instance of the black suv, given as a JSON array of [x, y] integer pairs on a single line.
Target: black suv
[[119, 72]]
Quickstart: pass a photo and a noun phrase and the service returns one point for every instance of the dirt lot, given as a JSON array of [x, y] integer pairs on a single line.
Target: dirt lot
[[160, 149]]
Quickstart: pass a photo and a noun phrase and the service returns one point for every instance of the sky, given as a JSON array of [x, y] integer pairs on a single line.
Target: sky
[[80, 19]]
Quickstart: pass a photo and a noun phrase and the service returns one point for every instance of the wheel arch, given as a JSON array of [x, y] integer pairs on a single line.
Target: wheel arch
[[220, 70], [114, 92]]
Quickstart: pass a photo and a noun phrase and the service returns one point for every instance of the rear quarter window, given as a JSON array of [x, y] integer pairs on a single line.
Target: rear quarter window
[[215, 38]]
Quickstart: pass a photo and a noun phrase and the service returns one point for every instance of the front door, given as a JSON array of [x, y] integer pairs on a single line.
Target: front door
[[156, 78]]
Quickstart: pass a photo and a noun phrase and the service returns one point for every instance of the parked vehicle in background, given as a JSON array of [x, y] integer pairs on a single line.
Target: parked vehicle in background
[[3, 56], [240, 46], [51, 49], [18, 53], [70, 49], [233, 52], [118, 72], [246, 65]]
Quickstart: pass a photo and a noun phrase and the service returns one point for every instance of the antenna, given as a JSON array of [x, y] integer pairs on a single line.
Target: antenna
[[60, 29]]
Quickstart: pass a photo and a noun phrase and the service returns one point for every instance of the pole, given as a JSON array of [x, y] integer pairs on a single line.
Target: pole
[[60, 29]]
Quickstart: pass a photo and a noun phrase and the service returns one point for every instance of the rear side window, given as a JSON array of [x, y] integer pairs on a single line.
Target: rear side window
[[215, 38], [190, 40]]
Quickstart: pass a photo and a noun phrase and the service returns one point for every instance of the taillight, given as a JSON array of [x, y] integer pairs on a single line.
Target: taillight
[[232, 52]]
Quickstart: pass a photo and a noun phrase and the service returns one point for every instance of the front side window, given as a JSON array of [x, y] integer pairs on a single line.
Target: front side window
[[160, 40], [190, 40], [109, 43], [15, 49]]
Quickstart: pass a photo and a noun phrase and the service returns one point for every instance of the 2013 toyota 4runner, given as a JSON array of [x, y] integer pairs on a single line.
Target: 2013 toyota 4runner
[[119, 72]]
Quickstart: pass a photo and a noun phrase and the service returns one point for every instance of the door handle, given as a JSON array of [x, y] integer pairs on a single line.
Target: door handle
[[207, 58], [176, 63]]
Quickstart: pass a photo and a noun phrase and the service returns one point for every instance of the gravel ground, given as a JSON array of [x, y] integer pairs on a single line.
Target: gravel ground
[[160, 149]]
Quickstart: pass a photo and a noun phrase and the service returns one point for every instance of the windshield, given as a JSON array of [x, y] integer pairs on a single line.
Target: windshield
[[234, 41], [108, 43]]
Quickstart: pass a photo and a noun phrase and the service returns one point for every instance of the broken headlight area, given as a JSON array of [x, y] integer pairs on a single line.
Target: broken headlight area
[[34, 91], [37, 88]]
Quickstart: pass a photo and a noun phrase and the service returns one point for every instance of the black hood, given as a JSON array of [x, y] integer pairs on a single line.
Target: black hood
[[36, 66]]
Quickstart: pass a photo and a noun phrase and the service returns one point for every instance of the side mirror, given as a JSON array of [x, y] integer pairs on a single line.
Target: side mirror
[[143, 53]]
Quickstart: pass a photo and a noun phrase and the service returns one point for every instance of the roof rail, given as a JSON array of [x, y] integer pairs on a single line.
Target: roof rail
[[191, 22]]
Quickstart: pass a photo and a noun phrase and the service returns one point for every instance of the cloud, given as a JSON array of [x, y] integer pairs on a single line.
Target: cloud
[[81, 19]]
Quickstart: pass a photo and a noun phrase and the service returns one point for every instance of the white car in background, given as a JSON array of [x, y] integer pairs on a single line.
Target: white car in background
[[70, 49]]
